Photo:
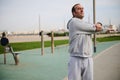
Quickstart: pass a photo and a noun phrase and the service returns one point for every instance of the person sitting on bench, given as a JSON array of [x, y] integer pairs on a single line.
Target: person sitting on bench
[[7, 48]]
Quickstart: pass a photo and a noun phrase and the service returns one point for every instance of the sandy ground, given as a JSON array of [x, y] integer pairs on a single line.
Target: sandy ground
[[13, 39], [30, 38]]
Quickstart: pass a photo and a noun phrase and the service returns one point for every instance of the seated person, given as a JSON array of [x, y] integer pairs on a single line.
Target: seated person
[[4, 40]]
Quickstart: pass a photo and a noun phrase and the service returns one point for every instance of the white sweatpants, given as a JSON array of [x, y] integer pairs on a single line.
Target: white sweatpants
[[80, 68]]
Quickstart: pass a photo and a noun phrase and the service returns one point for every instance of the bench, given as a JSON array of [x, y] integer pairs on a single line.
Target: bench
[[15, 54]]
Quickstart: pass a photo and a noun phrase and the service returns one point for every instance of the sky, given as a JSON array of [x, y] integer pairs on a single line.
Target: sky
[[25, 15]]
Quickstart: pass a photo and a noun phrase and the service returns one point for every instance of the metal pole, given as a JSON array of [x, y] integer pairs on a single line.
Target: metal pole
[[94, 21], [39, 26]]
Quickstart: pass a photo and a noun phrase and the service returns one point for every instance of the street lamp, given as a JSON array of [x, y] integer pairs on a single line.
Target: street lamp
[[94, 21]]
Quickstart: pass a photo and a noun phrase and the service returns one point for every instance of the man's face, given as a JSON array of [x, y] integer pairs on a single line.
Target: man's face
[[79, 11]]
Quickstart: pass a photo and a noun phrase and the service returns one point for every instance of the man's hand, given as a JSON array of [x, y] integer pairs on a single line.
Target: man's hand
[[98, 26]]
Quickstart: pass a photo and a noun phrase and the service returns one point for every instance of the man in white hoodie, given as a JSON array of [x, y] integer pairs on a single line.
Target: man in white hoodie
[[80, 66]]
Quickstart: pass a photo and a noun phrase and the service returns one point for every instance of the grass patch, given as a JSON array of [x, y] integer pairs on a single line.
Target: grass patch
[[33, 45], [110, 38]]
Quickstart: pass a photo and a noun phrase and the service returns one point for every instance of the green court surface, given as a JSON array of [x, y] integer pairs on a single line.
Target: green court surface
[[33, 66]]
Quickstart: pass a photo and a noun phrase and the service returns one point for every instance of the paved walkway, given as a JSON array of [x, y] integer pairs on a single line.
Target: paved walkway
[[50, 66], [107, 64]]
